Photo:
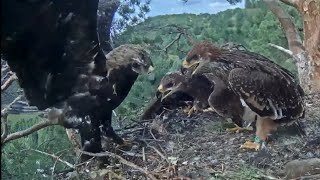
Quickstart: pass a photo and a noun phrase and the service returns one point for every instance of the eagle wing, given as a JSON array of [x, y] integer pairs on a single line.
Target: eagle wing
[[267, 93], [49, 45]]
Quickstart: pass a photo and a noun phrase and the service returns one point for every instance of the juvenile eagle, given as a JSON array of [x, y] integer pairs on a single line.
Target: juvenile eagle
[[53, 48], [267, 92], [198, 87]]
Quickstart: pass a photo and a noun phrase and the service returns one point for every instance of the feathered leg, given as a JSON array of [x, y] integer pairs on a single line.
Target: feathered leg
[[264, 127]]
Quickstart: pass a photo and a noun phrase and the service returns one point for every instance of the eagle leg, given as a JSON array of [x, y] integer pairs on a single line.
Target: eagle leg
[[264, 127]]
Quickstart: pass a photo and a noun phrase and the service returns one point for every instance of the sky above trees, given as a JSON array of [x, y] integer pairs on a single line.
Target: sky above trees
[[161, 7]]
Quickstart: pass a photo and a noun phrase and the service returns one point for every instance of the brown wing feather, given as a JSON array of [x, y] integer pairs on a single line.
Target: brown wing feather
[[267, 94]]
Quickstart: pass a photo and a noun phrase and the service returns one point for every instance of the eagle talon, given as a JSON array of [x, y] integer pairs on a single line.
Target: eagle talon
[[187, 109], [238, 129], [257, 145], [250, 145], [192, 110]]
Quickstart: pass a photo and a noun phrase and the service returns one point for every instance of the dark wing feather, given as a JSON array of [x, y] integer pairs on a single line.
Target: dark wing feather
[[268, 94], [48, 44]]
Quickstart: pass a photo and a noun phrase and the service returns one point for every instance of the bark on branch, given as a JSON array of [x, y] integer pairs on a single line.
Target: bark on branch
[[294, 40], [28, 131], [8, 82]]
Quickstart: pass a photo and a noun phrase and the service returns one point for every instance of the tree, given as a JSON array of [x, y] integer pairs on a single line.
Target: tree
[[306, 52]]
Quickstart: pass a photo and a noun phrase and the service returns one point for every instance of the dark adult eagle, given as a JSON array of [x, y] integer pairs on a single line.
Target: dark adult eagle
[[53, 48], [267, 92]]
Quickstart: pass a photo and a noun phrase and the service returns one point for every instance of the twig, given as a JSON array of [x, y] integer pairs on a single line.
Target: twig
[[4, 110], [122, 160], [29, 131], [287, 51], [158, 152], [8, 82], [77, 165], [172, 42], [54, 166], [54, 157]]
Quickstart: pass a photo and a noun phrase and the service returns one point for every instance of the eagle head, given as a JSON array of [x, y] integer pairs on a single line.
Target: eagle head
[[171, 83], [141, 62], [201, 53], [132, 56]]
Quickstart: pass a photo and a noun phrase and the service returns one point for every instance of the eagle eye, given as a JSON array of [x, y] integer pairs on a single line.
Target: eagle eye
[[170, 84], [193, 57]]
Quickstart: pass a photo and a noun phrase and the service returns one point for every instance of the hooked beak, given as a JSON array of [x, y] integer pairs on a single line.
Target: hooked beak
[[169, 91], [196, 69], [161, 89], [186, 64], [194, 65], [150, 69]]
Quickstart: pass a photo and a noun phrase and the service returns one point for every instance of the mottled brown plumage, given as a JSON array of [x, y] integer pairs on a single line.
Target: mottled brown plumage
[[266, 91], [198, 87]]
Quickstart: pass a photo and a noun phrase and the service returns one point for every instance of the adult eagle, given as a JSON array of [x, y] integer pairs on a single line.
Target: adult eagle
[[267, 92], [53, 48]]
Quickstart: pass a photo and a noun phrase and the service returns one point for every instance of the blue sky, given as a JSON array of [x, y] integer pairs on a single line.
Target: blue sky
[[161, 7]]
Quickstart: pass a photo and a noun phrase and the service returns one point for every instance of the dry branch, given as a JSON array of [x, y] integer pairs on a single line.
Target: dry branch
[[287, 51], [54, 157], [294, 40], [4, 110], [8, 82], [165, 49], [122, 160], [34, 128]]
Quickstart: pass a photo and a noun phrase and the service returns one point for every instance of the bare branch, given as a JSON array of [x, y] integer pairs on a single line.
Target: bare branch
[[294, 40], [55, 157], [172, 42], [9, 81], [287, 51], [122, 160], [4, 110], [30, 130]]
